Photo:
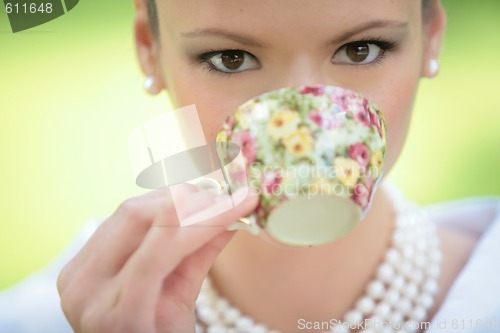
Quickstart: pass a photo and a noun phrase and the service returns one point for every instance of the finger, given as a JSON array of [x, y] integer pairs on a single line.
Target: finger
[[193, 269], [162, 251], [119, 244], [184, 284], [85, 279], [125, 235], [119, 236]]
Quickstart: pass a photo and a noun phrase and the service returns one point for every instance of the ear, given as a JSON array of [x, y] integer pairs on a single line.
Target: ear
[[147, 47], [434, 29]]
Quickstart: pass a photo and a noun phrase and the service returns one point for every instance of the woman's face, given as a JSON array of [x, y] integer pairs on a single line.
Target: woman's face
[[218, 54]]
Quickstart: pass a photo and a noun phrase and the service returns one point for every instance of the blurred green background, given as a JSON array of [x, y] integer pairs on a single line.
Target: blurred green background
[[71, 92]]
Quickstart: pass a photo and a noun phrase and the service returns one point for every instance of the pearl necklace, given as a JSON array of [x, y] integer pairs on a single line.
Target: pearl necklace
[[396, 299]]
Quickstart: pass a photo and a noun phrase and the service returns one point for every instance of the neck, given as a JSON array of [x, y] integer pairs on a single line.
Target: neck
[[279, 285]]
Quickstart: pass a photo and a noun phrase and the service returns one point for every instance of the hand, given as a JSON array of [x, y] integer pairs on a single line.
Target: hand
[[141, 271]]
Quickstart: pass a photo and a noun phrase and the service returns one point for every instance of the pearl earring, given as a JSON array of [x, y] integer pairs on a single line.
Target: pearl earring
[[433, 67], [149, 84]]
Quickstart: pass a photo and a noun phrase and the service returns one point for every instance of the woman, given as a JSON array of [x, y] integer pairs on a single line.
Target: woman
[[133, 276]]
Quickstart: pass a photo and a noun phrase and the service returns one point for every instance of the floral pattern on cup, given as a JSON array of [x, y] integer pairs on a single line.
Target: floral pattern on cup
[[307, 140]]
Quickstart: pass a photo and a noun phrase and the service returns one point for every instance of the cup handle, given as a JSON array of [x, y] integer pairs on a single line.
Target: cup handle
[[210, 184], [246, 223]]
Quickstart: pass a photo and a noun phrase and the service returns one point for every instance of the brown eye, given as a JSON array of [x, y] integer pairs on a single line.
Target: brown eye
[[358, 52], [230, 61]]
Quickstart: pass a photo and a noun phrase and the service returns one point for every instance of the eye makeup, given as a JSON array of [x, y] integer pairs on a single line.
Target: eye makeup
[[385, 45]]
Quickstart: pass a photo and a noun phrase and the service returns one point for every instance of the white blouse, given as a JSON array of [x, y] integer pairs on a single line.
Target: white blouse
[[471, 305]]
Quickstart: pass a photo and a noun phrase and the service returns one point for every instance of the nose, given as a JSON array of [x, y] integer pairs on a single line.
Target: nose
[[301, 70]]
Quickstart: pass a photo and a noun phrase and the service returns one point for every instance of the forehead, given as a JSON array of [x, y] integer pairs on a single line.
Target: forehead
[[278, 18]]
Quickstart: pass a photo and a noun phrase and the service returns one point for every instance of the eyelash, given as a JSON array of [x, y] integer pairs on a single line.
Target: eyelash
[[385, 45]]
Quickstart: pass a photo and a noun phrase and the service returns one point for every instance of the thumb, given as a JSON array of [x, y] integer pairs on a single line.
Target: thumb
[[195, 268]]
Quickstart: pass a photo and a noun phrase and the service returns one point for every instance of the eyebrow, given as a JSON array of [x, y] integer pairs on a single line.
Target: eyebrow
[[368, 26], [249, 41], [242, 39]]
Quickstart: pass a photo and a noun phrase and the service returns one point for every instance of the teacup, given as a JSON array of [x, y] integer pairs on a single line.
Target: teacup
[[314, 154]]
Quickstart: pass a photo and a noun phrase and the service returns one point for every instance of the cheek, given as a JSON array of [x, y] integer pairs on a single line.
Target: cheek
[[188, 86], [396, 104], [397, 115]]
